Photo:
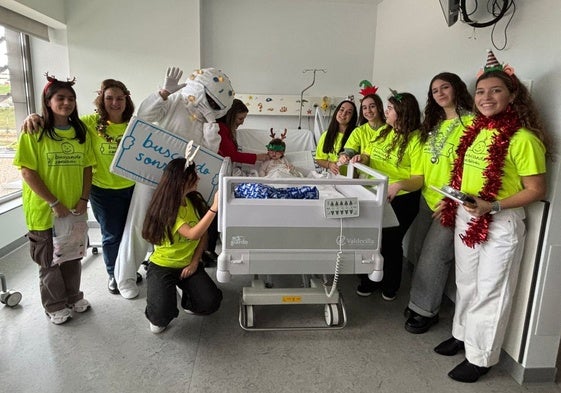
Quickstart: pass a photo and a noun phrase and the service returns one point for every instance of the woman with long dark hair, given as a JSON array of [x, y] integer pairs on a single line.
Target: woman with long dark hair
[[447, 114], [176, 224]]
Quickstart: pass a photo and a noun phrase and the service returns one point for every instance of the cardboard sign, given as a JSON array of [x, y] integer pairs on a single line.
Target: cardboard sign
[[146, 149]]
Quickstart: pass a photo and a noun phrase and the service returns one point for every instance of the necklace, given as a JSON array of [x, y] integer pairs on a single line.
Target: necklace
[[102, 132], [436, 143]]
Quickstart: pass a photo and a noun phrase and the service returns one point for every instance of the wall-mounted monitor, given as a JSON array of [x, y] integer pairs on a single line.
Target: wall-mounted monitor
[[451, 10]]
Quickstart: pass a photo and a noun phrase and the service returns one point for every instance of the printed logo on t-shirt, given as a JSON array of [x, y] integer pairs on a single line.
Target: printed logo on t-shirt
[[108, 149], [66, 157]]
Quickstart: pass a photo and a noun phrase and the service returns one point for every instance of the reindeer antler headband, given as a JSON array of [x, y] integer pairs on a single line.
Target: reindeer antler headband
[[51, 79], [188, 157], [277, 147]]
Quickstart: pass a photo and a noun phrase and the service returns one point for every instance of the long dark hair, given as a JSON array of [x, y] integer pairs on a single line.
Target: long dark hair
[[100, 102], [523, 105], [333, 129], [434, 113], [408, 120], [168, 197], [52, 87], [230, 117]]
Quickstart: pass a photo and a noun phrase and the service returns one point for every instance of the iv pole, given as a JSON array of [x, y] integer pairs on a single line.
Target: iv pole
[[302, 92]]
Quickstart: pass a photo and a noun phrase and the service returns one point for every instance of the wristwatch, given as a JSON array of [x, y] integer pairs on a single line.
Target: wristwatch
[[495, 207]]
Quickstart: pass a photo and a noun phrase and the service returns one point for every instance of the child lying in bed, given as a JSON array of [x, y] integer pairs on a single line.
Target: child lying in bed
[[277, 165]]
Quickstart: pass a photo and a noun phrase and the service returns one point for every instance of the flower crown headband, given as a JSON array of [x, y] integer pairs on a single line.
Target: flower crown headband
[[493, 64], [189, 158]]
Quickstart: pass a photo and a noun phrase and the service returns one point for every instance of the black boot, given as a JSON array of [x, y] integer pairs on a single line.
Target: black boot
[[418, 324], [467, 372], [449, 347]]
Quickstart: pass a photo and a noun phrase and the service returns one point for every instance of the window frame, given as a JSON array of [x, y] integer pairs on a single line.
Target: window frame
[[18, 55]]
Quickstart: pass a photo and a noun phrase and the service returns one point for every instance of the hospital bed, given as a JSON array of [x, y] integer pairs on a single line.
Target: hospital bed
[[339, 233]]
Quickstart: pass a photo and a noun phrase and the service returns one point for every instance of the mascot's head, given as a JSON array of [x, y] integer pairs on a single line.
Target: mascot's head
[[212, 86]]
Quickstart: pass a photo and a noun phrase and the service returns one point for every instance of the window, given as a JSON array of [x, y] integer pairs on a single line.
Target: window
[[16, 102]]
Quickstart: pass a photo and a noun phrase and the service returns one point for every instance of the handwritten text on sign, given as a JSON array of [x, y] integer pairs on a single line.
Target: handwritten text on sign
[[146, 149]]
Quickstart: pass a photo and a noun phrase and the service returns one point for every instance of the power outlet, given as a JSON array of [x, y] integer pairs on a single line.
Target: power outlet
[[340, 207]]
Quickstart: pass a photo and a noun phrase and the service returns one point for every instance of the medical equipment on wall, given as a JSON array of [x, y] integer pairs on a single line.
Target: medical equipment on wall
[[314, 70]]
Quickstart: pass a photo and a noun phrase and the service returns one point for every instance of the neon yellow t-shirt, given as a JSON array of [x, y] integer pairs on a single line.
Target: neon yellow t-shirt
[[331, 156], [179, 254], [362, 136], [525, 157], [104, 152], [387, 161], [438, 173], [60, 164]]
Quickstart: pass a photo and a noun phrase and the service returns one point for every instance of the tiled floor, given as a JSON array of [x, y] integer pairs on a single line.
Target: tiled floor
[[110, 348]]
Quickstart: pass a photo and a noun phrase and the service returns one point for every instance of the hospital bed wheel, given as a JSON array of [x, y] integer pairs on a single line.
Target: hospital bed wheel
[[249, 316], [331, 314], [94, 250], [10, 298]]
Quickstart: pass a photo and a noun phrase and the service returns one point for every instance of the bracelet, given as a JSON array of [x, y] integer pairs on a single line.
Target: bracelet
[[84, 199], [495, 207], [53, 204], [210, 210]]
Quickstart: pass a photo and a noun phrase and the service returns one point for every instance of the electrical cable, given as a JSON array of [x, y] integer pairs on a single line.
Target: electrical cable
[[498, 17], [337, 264], [513, 5]]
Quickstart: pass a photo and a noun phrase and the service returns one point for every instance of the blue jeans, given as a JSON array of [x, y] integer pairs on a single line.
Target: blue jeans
[[110, 208]]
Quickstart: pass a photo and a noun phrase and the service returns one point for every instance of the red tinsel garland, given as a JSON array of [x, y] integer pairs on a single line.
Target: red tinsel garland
[[506, 124]]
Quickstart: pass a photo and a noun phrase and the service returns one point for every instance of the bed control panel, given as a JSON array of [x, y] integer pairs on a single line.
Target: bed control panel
[[340, 207]]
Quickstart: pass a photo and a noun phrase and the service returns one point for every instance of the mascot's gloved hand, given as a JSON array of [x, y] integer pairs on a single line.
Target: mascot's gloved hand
[[171, 81], [207, 111]]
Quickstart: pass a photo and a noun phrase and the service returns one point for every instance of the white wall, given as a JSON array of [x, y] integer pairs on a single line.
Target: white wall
[[133, 41], [264, 45], [413, 44]]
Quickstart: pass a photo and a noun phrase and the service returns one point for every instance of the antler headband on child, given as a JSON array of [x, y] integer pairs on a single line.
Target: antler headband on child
[[274, 145]]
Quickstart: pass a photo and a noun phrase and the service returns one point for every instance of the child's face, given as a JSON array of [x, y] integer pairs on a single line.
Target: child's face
[[275, 155]]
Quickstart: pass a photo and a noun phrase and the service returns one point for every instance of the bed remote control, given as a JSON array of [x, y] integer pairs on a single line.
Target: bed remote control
[[340, 207]]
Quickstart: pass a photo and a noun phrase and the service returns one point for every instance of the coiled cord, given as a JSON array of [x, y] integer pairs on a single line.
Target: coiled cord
[[337, 264]]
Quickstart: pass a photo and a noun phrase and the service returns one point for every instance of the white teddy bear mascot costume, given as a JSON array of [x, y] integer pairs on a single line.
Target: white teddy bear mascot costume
[[187, 109]]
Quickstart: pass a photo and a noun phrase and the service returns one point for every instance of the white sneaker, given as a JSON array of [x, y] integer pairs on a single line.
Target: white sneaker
[[81, 305], [156, 329], [61, 316], [129, 289]]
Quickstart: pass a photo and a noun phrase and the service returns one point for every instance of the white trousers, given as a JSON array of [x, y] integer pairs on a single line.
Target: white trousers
[[133, 247], [486, 278]]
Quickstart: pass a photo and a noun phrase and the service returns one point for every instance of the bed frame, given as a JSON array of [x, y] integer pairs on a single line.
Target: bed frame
[[302, 237]]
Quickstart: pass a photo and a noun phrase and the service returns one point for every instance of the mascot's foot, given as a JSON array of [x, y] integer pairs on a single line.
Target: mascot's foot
[[128, 289]]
